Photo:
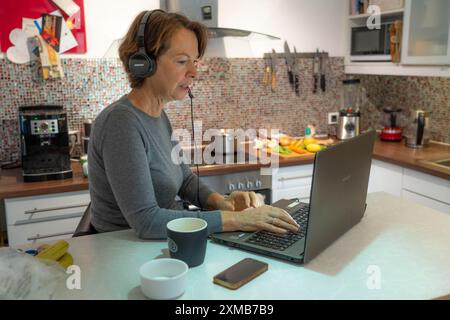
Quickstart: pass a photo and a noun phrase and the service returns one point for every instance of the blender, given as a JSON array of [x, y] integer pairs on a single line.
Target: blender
[[349, 115], [391, 130]]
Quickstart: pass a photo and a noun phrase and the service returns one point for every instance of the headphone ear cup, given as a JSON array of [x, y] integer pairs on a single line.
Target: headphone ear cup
[[141, 65]]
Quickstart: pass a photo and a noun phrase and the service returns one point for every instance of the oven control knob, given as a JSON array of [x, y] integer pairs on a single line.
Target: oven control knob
[[249, 185], [258, 183], [44, 125], [231, 187], [240, 186]]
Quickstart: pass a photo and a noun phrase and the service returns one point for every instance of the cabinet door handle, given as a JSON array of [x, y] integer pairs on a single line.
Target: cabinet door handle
[[36, 210], [294, 178], [38, 236]]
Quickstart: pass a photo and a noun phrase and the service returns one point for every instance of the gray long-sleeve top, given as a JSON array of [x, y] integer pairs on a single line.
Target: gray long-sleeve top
[[132, 178]]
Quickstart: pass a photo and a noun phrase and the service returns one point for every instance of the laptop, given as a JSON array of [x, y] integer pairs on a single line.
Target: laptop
[[337, 203]]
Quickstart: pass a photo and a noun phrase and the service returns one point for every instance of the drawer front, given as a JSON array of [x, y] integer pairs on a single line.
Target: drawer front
[[45, 208], [427, 202], [302, 193], [426, 185], [293, 177], [42, 232]]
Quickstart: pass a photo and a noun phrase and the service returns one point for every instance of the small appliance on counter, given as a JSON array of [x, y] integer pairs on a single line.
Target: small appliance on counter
[[228, 143], [349, 115], [348, 124], [417, 131], [391, 130], [44, 143], [87, 124]]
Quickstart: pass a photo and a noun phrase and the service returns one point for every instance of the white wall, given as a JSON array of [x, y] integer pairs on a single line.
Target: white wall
[[108, 20], [307, 24]]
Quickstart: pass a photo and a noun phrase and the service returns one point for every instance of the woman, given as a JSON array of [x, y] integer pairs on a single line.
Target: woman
[[133, 181]]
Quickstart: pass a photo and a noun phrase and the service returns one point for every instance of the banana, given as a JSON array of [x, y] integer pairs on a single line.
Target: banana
[[42, 247], [66, 260], [55, 251]]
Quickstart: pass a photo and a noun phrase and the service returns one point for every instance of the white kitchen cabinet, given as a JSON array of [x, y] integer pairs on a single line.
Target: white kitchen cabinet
[[426, 33], [430, 191], [292, 182], [425, 189], [385, 177], [425, 201], [418, 38], [44, 217]]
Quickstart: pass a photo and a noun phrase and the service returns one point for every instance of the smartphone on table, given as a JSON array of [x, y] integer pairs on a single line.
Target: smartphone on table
[[240, 273]]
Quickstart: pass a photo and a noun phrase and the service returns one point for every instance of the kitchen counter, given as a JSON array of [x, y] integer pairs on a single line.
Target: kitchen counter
[[399, 250], [415, 159], [12, 185]]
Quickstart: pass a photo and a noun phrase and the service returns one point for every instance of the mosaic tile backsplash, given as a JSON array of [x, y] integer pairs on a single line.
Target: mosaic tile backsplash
[[229, 93]]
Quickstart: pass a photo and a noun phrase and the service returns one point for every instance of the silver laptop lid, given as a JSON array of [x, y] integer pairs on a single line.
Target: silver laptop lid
[[338, 192]]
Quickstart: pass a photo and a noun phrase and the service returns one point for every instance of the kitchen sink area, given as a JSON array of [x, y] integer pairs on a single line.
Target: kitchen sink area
[[444, 163]]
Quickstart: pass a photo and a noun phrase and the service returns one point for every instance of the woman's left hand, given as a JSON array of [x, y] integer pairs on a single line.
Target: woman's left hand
[[238, 201]]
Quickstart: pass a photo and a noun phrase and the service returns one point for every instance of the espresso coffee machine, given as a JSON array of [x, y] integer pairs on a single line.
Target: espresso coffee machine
[[44, 143]]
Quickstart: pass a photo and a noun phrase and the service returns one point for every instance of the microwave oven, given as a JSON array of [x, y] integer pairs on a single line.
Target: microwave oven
[[371, 45]]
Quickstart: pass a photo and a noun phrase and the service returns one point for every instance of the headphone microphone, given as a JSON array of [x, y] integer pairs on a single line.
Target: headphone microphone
[[191, 96]]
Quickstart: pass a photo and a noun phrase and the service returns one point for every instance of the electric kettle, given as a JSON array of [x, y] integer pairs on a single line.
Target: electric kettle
[[417, 131]]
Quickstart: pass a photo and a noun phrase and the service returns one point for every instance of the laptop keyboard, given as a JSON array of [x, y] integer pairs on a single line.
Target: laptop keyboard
[[283, 241]]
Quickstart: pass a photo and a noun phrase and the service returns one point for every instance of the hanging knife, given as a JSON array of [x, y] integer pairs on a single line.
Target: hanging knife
[[289, 63], [274, 70], [296, 76], [323, 68], [267, 71], [316, 70]]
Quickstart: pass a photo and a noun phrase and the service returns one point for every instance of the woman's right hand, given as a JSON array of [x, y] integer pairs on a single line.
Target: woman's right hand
[[266, 217]]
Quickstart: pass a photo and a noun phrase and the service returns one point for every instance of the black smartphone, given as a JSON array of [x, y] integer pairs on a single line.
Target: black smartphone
[[240, 273]]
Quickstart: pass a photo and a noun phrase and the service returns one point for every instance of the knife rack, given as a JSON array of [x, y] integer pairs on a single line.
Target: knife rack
[[298, 55]]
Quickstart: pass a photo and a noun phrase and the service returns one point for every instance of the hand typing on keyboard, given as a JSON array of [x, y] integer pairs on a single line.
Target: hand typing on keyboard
[[267, 218]]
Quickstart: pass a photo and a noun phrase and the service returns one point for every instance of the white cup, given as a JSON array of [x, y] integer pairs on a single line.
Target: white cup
[[163, 279]]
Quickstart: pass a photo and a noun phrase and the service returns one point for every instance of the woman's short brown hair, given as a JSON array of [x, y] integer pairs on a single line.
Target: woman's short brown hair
[[159, 30]]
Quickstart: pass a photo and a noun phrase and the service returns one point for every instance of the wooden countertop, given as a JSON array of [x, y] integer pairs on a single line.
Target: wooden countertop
[[415, 159], [12, 185]]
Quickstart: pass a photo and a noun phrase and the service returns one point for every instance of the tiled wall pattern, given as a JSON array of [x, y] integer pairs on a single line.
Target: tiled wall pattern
[[229, 93], [409, 94]]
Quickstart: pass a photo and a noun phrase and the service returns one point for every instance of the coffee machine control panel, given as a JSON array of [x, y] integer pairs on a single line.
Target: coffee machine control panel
[[47, 126]]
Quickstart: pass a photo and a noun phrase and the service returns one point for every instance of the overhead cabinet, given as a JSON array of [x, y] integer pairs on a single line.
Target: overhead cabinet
[[426, 37]]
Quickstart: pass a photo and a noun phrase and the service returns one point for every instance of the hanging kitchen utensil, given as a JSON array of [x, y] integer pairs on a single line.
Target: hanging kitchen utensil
[[323, 68], [267, 71], [296, 76], [289, 63], [273, 81], [316, 70]]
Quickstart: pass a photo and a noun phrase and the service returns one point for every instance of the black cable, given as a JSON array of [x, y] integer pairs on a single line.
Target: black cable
[[191, 96]]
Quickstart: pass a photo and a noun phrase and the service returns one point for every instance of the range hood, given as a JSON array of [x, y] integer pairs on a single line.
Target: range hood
[[207, 12]]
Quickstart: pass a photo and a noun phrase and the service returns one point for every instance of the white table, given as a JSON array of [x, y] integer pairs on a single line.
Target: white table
[[399, 250]]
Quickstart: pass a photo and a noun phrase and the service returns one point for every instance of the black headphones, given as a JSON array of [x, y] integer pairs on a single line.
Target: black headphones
[[141, 64]]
